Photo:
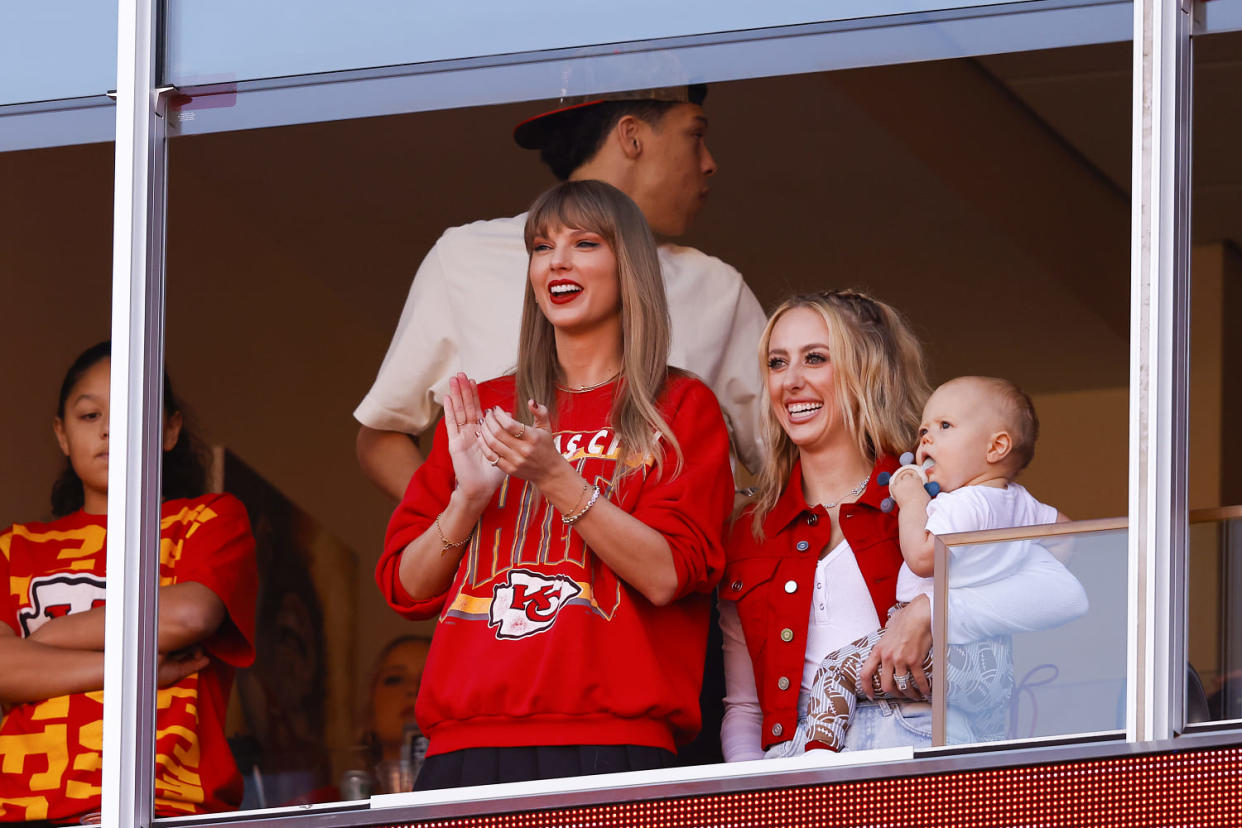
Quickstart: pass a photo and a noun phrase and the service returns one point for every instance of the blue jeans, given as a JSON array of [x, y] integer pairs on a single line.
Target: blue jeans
[[882, 724]]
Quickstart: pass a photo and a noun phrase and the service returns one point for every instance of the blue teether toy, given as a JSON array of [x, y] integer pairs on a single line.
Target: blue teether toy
[[907, 462]]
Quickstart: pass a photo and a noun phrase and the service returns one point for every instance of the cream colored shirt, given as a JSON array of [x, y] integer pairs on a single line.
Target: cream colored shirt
[[464, 309]]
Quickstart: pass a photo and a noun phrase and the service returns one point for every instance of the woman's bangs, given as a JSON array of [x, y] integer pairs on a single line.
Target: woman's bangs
[[569, 210]]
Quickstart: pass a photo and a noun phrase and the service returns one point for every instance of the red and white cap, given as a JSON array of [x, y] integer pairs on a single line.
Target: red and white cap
[[533, 133]]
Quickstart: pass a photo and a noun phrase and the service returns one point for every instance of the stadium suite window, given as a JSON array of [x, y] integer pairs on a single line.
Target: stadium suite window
[[918, 206]]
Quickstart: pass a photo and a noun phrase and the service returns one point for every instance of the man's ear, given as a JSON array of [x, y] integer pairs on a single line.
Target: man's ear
[[999, 447], [629, 136], [58, 428], [172, 430]]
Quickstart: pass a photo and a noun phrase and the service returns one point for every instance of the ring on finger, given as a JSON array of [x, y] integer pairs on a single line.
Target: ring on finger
[[494, 461], [902, 681], [520, 432]]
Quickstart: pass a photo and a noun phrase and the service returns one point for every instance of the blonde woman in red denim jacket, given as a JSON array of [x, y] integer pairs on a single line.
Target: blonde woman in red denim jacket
[[812, 564]]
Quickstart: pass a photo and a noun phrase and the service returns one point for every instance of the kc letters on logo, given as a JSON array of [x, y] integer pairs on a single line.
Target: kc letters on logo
[[528, 603]]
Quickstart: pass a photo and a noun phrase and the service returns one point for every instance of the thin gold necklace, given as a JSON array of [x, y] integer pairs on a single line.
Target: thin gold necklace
[[581, 389]]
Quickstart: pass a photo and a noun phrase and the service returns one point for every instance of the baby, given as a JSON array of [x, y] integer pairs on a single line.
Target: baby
[[977, 434]]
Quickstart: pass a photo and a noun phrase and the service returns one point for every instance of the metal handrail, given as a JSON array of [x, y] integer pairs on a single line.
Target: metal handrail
[[1073, 527]]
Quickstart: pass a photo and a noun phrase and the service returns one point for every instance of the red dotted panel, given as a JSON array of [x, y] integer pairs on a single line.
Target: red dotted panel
[[1201, 788]]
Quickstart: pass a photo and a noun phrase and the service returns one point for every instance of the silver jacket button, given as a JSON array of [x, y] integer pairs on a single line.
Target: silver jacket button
[[777, 730], [791, 587], [782, 683]]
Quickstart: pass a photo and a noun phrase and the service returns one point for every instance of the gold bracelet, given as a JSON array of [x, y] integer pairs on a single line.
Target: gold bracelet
[[445, 543], [571, 519], [586, 487]]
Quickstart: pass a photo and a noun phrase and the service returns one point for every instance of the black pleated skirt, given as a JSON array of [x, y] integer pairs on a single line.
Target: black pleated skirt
[[486, 766]]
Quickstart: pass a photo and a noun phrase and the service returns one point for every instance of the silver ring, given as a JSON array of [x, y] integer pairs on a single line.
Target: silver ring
[[902, 681], [494, 462]]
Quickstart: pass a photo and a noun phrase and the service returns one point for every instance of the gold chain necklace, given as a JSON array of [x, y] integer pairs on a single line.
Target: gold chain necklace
[[582, 389]]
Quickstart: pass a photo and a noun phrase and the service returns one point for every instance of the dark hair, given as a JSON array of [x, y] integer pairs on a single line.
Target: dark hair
[[581, 132], [184, 467]]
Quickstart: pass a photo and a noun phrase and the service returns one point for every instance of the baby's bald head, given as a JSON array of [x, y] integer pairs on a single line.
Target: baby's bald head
[[1012, 410]]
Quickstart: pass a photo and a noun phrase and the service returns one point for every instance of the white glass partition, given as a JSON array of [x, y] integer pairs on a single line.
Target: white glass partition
[[239, 41], [226, 103], [51, 51]]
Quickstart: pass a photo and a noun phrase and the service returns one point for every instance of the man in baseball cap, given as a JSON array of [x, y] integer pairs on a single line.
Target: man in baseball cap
[[464, 307]]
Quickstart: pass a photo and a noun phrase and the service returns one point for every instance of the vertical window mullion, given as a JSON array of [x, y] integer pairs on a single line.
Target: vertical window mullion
[[1158, 369], [136, 403]]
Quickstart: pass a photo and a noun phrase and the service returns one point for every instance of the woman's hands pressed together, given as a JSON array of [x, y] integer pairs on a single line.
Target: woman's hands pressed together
[[526, 452]]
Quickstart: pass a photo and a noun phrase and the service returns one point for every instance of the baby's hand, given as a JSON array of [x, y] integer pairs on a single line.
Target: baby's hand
[[900, 484], [906, 487]]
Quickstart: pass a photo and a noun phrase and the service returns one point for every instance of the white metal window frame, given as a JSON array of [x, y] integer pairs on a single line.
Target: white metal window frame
[[1159, 357]]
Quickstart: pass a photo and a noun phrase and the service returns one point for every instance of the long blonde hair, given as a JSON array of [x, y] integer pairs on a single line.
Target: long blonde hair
[[636, 419], [880, 382]]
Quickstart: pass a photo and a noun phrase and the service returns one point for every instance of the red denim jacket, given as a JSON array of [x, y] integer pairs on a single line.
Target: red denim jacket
[[771, 582]]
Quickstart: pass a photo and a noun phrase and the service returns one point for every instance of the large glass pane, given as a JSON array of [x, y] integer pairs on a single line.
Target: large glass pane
[[1047, 659], [236, 41], [1215, 594], [986, 197], [55, 284], [50, 51]]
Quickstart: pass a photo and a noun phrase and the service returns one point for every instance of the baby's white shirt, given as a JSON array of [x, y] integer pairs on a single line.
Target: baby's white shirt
[[972, 509]]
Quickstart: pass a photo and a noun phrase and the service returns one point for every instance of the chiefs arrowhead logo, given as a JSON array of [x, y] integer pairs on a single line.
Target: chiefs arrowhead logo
[[52, 596], [528, 603]]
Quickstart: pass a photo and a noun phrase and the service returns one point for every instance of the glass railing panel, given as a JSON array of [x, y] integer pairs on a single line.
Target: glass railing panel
[[1214, 616], [1031, 624]]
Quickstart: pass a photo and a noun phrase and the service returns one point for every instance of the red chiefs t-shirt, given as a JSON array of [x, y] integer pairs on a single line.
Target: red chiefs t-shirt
[[539, 642], [50, 751]]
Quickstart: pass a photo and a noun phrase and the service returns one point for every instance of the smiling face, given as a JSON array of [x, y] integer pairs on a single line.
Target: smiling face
[[82, 433], [964, 434], [670, 183], [574, 277], [394, 692], [802, 380]]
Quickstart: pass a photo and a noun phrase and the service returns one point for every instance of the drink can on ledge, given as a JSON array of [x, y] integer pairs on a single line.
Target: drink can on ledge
[[356, 784]]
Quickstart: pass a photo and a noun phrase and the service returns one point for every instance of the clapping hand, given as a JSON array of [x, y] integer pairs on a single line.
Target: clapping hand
[[526, 452], [477, 476]]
